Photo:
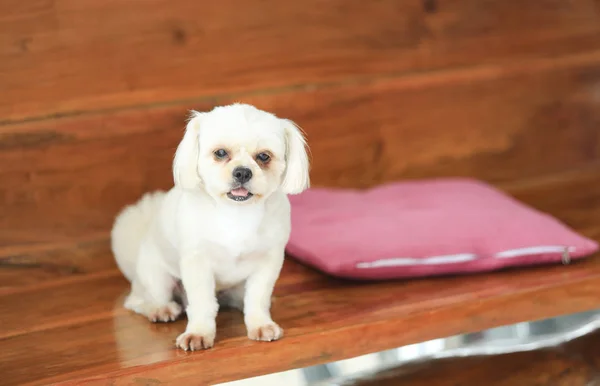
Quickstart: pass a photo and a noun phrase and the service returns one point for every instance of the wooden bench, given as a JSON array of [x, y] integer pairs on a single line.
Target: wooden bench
[[93, 95]]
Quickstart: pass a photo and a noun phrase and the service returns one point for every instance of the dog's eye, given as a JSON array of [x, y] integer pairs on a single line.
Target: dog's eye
[[263, 157], [220, 154]]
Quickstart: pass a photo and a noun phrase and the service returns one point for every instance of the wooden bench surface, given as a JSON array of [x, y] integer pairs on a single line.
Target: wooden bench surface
[[64, 321]]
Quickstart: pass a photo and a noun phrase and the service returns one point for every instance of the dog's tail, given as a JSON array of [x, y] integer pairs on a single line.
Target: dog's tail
[[130, 227]]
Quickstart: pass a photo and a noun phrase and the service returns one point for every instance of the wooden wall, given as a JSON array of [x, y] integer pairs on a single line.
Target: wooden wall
[[93, 93]]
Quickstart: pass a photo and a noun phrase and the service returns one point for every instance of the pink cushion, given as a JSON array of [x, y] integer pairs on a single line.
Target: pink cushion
[[424, 228]]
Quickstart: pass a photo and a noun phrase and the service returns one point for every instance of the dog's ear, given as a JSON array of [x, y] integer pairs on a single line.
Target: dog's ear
[[296, 177], [185, 164]]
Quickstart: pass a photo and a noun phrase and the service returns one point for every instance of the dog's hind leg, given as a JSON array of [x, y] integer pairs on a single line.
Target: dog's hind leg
[[152, 289], [137, 301]]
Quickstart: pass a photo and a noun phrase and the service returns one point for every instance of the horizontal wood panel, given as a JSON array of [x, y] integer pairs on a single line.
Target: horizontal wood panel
[[66, 178], [31, 267], [25, 266], [66, 56], [72, 302], [331, 323], [47, 266]]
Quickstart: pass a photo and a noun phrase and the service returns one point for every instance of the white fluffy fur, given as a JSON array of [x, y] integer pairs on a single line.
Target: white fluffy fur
[[196, 235]]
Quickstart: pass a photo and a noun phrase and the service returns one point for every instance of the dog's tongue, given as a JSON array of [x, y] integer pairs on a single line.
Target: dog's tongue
[[239, 192]]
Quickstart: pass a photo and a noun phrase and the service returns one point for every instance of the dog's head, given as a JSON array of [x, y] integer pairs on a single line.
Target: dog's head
[[239, 153]]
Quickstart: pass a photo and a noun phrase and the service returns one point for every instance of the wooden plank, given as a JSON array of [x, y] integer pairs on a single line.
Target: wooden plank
[[71, 261], [68, 56], [579, 211], [570, 364], [101, 295], [339, 321], [72, 303], [66, 178], [325, 319], [48, 265]]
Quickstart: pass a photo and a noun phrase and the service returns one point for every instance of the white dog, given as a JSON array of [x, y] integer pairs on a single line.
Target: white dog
[[221, 229]]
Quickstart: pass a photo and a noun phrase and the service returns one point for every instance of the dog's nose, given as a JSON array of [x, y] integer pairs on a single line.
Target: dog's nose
[[242, 175]]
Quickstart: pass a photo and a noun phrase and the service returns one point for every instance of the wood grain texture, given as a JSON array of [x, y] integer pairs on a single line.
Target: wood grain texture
[[93, 340], [66, 178], [574, 363], [51, 263], [68, 56]]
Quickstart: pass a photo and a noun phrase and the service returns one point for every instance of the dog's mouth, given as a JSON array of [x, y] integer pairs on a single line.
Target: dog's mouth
[[239, 194]]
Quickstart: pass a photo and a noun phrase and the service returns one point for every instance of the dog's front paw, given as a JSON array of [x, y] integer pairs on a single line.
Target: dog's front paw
[[194, 341], [267, 332], [167, 313]]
